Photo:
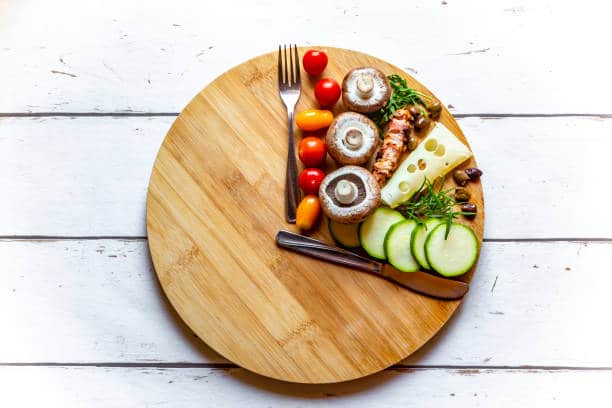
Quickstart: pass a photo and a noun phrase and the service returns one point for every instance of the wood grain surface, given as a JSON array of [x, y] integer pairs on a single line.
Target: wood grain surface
[[214, 206]]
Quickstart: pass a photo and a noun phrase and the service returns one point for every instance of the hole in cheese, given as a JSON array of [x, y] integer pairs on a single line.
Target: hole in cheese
[[431, 145], [404, 187], [411, 168], [422, 164], [440, 150]]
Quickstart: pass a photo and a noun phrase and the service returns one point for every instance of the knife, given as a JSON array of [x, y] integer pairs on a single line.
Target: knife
[[420, 282]]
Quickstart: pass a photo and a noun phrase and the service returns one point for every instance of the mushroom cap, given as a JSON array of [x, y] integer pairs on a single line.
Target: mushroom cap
[[357, 101], [366, 200], [339, 145]]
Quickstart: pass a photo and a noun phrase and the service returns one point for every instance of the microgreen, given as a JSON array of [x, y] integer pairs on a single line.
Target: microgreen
[[401, 96]]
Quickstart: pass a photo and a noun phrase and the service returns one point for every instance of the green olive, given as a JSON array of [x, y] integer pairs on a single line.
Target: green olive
[[412, 143], [434, 108], [462, 195], [461, 178], [421, 123]]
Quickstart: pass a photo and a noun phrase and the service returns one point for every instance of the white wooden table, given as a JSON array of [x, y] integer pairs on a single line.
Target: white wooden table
[[88, 90]]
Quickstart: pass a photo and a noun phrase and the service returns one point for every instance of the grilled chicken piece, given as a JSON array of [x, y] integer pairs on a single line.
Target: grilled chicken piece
[[394, 144]]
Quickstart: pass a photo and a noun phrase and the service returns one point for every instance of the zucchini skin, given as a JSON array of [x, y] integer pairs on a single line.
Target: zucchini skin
[[338, 240], [458, 272], [365, 240], [430, 223], [387, 244]]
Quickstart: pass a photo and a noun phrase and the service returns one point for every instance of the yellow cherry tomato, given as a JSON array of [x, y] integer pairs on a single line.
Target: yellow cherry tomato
[[307, 212], [314, 119]]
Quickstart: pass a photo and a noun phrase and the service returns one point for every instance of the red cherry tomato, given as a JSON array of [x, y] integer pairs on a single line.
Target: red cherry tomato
[[312, 151], [310, 180], [314, 61], [327, 91]]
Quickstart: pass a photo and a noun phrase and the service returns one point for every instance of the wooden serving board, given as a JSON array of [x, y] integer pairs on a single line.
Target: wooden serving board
[[214, 206]]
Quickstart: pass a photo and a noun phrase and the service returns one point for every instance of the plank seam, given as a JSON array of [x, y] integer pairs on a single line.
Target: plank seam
[[145, 238], [173, 114], [225, 366]]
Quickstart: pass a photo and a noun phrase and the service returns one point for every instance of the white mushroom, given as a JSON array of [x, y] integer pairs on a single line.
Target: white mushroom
[[365, 90], [349, 194], [352, 138], [345, 192]]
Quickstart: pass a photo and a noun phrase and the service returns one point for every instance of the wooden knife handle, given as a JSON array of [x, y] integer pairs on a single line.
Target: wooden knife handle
[[317, 249]]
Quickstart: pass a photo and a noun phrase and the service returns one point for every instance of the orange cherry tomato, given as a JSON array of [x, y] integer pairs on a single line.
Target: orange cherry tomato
[[314, 119], [307, 212]]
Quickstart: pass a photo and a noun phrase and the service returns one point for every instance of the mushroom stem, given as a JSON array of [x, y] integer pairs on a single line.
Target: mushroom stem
[[365, 85], [353, 138], [346, 192]]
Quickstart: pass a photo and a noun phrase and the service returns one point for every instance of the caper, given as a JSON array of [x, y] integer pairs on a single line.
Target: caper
[[473, 173], [412, 143], [421, 123], [435, 108], [461, 178], [469, 207], [414, 111], [462, 195]]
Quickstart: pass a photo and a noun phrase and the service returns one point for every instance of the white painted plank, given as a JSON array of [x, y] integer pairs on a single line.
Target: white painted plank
[[85, 176], [89, 176], [530, 304], [95, 300], [98, 387], [478, 55]]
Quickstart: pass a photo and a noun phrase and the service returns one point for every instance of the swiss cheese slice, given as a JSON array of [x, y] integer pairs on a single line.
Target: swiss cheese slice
[[435, 156]]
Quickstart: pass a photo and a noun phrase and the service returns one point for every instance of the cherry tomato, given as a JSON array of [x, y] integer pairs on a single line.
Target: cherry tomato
[[314, 61], [314, 119], [327, 91], [307, 212], [310, 180], [312, 151]]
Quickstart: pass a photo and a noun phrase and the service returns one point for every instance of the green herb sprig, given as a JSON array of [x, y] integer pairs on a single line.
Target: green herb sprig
[[432, 202], [401, 96]]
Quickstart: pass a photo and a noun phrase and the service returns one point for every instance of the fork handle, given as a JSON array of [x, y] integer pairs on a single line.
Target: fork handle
[[291, 183]]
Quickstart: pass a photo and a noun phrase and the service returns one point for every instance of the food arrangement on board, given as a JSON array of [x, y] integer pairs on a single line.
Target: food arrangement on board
[[389, 194], [219, 247]]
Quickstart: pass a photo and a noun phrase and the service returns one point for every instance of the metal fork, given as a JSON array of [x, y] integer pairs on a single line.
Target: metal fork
[[289, 88]]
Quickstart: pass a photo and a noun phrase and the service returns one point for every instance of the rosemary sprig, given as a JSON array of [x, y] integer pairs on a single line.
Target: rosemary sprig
[[432, 202], [401, 97]]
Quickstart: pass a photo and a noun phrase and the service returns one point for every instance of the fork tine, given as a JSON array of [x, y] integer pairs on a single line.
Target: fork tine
[[280, 67], [291, 70], [286, 80], [297, 64]]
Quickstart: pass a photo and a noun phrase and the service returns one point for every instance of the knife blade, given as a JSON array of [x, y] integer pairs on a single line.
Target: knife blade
[[420, 282]]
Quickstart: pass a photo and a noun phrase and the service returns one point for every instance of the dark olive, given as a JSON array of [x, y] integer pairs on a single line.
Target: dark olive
[[462, 195], [414, 111], [469, 207], [421, 123], [473, 173], [435, 108], [412, 143], [461, 178]]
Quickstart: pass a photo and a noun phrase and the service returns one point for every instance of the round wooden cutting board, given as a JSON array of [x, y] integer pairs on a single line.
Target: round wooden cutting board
[[214, 206]]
